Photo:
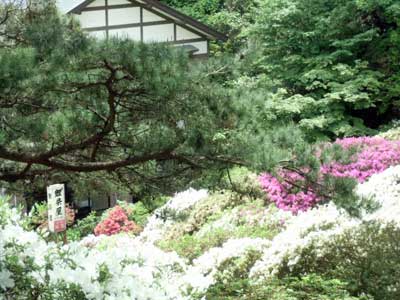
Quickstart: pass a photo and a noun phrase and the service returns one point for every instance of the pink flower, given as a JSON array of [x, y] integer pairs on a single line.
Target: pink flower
[[372, 155], [116, 222]]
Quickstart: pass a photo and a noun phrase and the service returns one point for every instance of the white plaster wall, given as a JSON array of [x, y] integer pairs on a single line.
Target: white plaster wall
[[148, 16], [122, 16], [165, 14], [132, 33], [90, 19], [184, 34], [101, 35], [97, 3], [202, 46], [196, 30], [118, 2], [158, 33]]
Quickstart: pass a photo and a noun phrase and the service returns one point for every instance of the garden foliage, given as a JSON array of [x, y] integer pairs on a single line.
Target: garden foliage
[[363, 267], [332, 67]]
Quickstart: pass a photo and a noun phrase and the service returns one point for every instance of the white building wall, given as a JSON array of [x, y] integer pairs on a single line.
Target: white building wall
[[122, 16], [184, 34], [148, 16], [131, 15], [101, 35], [118, 2], [158, 33], [131, 33], [97, 3], [91, 19]]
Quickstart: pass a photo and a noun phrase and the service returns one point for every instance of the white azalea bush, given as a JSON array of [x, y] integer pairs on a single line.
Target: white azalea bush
[[169, 214], [96, 268], [243, 249], [311, 239], [117, 267]]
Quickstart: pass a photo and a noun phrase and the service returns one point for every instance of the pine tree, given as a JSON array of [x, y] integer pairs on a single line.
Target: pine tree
[[73, 105]]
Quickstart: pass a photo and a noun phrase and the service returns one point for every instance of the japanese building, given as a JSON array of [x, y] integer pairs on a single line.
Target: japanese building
[[146, 21]]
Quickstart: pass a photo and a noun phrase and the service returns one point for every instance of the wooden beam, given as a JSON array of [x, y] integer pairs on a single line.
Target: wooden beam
[[177, 21], [119, 6], [123, 26], [141, 24], [107, 20], [188, 41], [175, 33]]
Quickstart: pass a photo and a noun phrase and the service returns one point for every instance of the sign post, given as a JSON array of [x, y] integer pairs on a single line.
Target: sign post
[[56, 209]]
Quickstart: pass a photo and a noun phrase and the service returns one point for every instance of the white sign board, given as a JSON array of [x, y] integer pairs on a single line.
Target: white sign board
[[56, 208]]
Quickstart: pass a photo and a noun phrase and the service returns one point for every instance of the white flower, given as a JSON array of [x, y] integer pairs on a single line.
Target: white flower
[[185, 200], [314, 226], [6, 281], [385, 189], [202, 274], [156, 227]]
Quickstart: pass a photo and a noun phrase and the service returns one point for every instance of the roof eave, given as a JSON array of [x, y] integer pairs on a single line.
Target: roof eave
[[187, 19], [210, 32], [78, 8]]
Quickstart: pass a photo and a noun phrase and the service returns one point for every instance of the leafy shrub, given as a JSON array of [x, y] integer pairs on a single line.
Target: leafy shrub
[[152, 203], [83, 227], [137, 212], [216, 233], [244, 182], [310, 287], [334, 64], [191, 221], [365, 257], [191, 246], [392, 134]]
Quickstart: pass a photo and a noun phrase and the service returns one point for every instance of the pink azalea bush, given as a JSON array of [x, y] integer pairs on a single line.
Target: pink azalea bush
[[372, 155], [117, 221], [375, 156]]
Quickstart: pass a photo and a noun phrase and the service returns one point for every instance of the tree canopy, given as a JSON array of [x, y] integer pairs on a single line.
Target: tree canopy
[[330, 66], [70, 104]]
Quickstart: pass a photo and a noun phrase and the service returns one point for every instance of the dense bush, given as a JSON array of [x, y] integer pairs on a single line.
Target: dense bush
[[309, 287], [191, 247], [83, 227], [392, 134], [366, 257], [330, 66]]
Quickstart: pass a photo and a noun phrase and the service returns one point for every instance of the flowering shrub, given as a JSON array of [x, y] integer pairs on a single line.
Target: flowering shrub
[[313, 229], [392, 134], [161, 222], [103, 267], [286, 194], [366, 256], [133, 267], [290, 191], [374, 155], [97, 268], [116, 222]]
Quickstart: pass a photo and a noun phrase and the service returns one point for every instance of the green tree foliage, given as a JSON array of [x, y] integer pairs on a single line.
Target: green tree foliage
[[330, 66], [70, 104]]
